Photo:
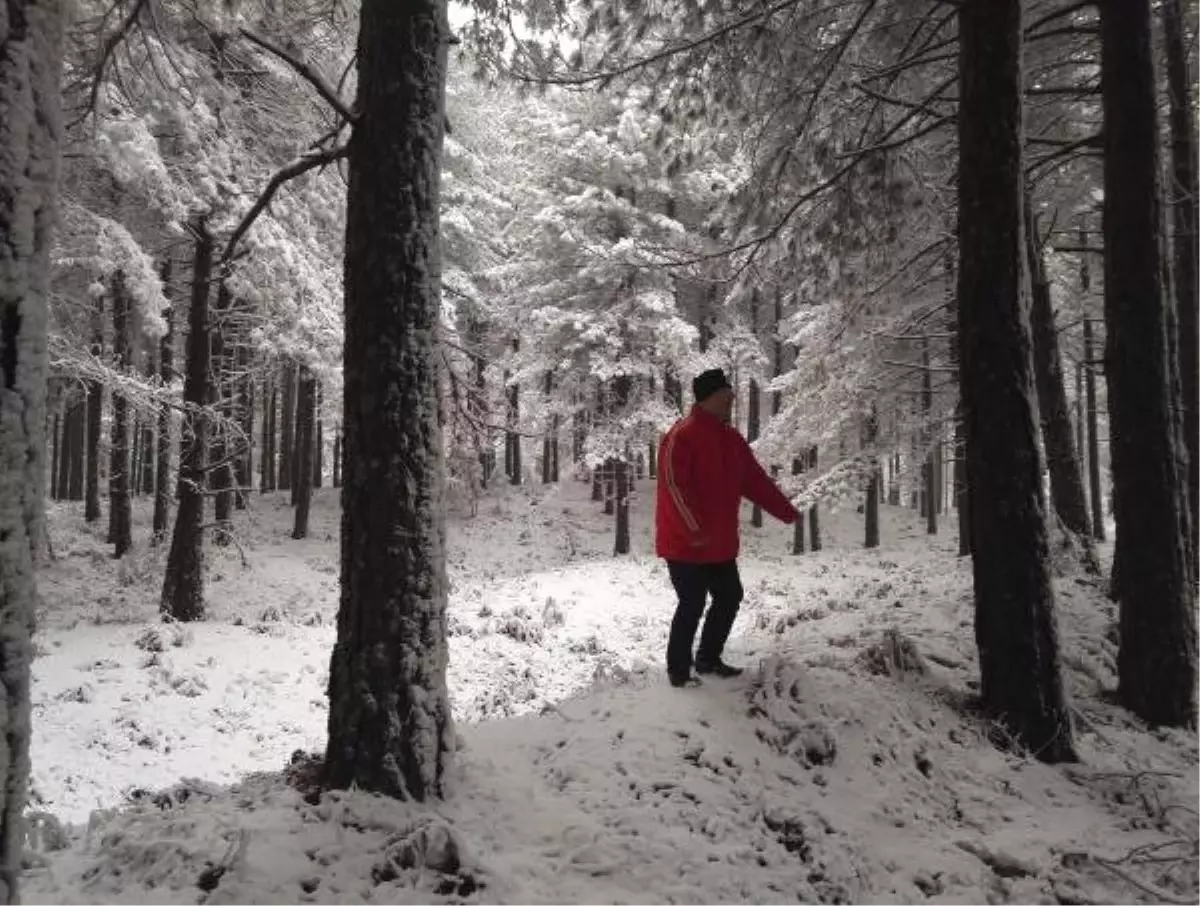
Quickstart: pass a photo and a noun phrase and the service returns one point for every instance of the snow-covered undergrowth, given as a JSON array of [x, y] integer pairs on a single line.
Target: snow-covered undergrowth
[[847, 766]]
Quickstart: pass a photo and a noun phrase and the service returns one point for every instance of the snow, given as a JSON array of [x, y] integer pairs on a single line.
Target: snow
[[825, 774]]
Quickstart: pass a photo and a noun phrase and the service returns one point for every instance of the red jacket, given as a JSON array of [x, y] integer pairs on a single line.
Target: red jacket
[[705, 468]]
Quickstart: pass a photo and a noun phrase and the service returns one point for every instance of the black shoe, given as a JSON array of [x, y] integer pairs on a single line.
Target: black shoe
[[718, 668], [679, 680]]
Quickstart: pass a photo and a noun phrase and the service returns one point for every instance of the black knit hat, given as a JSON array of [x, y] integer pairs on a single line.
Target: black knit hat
[[708, 383]]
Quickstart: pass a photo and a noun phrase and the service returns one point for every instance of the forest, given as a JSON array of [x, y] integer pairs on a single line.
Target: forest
[[338, 339]]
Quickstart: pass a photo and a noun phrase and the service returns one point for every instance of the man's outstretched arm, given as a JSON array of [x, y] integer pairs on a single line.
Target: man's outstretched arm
[[757, 487]]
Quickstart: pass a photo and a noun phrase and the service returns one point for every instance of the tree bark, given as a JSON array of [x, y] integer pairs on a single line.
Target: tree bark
[[1156, 662], [873, 489], [1185, 212], [512, 440], [266, 465], [337, 456], [928, 472], [621, 544], [95, 416], [1015, 626], [120, 478], [244, 405], [318, 436], [183, 584], [1093, 433], [1062, 459], [287, 433], [390, 728], [306, 405], [754, 406], [166, 373], [814, 514], [548, 439], [31, 42], [220, 475], [76, 417], [798, 525], [147, 442], [55, 450]]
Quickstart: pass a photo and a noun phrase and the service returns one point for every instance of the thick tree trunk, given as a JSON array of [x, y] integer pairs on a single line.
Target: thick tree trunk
[[31, 41], [120, 478], [306, 405], [95, 416], [1185, 208], [183, 584], [166, 373], [1157, 658], [287, 433], [621, 545], [1015, 626], [1062, 459], [390, 728]]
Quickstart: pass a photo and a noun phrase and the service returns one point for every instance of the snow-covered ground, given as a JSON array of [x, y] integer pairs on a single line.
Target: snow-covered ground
[[826, 774]]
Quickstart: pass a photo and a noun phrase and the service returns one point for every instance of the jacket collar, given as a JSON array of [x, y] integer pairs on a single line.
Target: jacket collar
[[701, 414]]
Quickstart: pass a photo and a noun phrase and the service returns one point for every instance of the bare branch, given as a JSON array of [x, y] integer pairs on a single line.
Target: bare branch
[[301, 164], [106, 51], [306, 72]]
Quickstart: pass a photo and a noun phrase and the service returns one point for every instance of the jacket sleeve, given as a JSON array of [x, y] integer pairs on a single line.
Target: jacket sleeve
[[757, 487], [677, 476]]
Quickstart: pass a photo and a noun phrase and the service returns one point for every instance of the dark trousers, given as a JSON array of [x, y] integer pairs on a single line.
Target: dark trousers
[[694, 582]]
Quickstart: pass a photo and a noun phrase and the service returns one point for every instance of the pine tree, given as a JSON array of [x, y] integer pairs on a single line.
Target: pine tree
[[1015, 629], [1156, 662], [390, 727]]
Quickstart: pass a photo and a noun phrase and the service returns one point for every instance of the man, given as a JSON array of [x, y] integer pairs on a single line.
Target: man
[[705, 468]]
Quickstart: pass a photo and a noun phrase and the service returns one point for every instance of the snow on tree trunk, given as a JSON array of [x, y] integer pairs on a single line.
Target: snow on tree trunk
[[183, 584], [1066, 482], [31, 40], [1185, 208], [120, 477], [390, 728], [306, 400], [166, 373], [1156, 662], [95, 415], [1015, 627]]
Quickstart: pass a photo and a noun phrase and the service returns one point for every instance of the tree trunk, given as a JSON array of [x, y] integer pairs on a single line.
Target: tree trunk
[[894, 488], [1157, 659], [55, 450], [337, 456], [220, 475], [147, 460], [928, 472], [609, 472], [306, 404], [962, 494], [798, 525], [390, 728], [318, 435], [183, 584], [512, 440], [597, 485], [1015, 626], [814, 514], [548, 438], [273, 438], [753, 407], [266, 464], [1066, 483], [75, 464], [287, 433], [95, 416], [1185, 208], [1093, 433], [244, 404], [166, 373], [119, 469], [873, 489], [31, 40], [621, 546]]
